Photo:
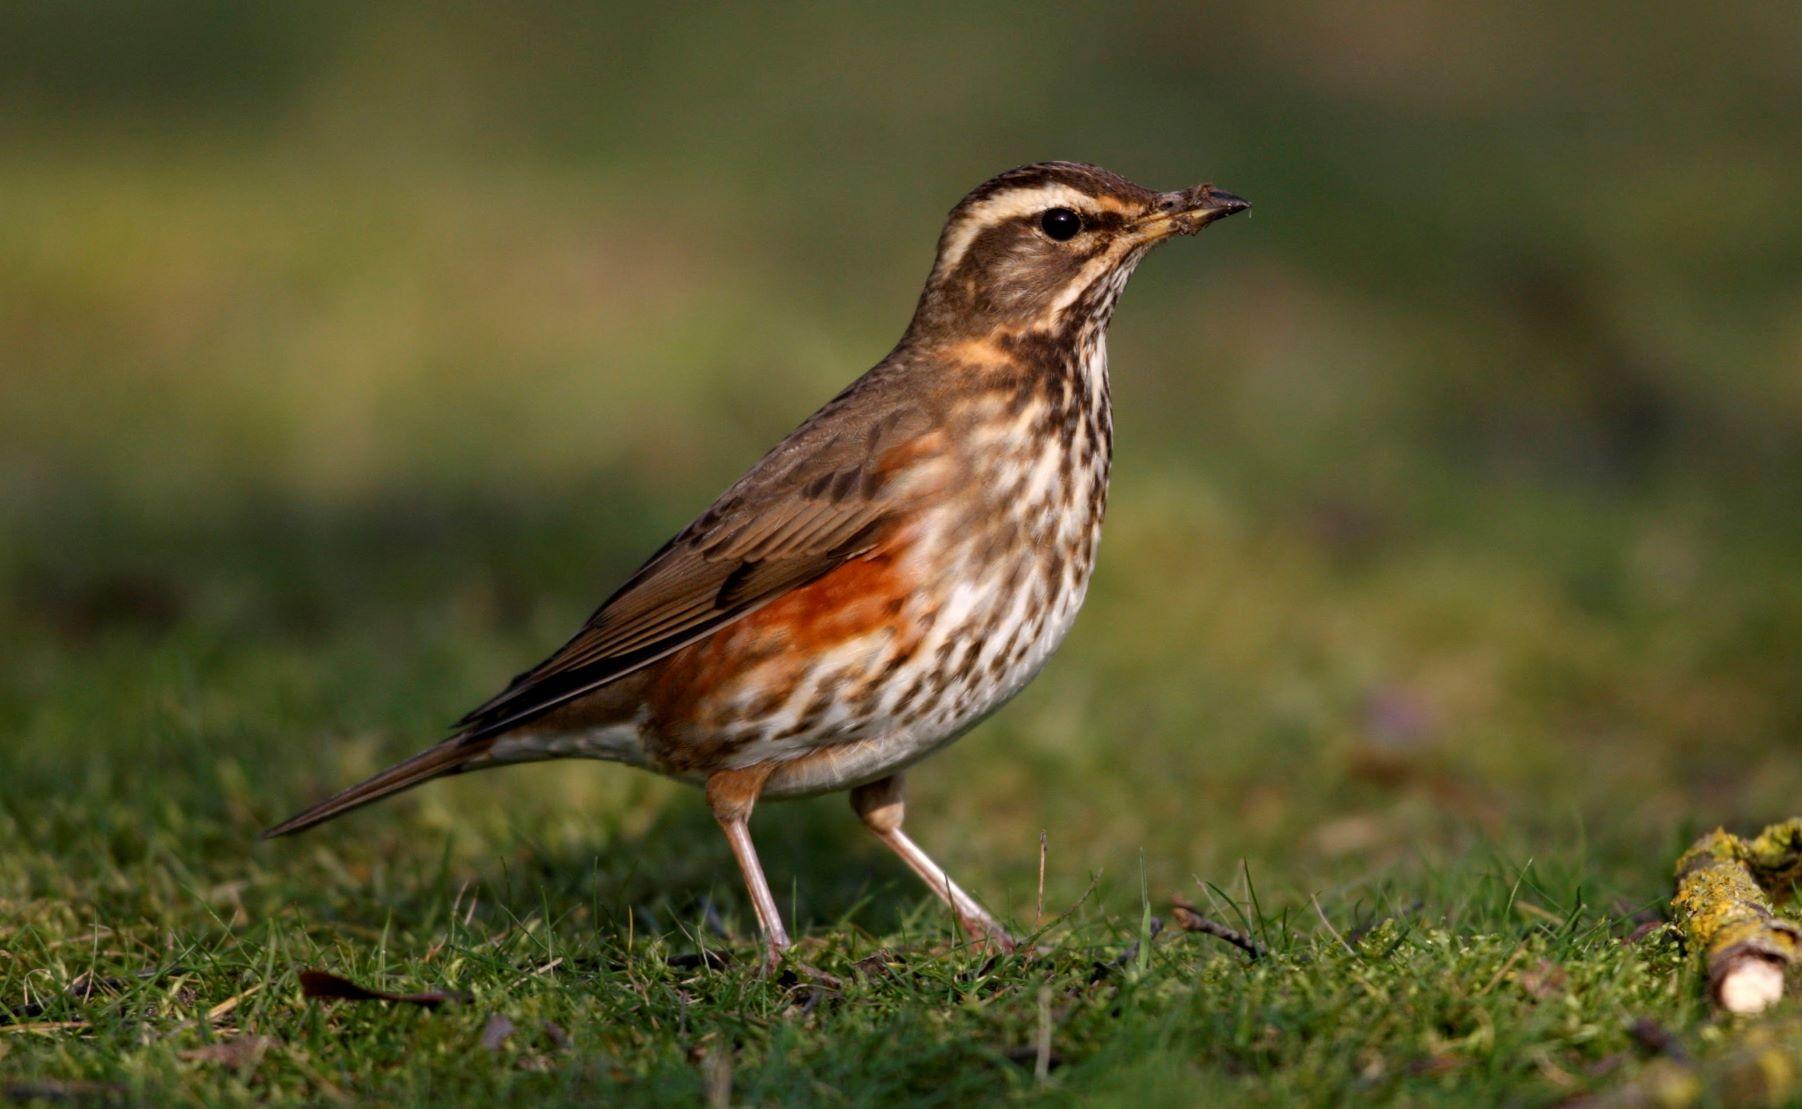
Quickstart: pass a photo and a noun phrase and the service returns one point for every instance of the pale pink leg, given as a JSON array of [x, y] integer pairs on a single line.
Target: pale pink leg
[[881, 808], [732, 794]]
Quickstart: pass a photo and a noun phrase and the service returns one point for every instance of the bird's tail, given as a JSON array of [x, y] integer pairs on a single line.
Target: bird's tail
[[452, 756]]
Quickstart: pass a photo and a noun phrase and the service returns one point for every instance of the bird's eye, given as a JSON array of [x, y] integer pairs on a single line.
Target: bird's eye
[[1061, 224]]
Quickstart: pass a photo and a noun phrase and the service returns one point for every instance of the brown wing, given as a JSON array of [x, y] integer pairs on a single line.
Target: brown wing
[[821, 497]]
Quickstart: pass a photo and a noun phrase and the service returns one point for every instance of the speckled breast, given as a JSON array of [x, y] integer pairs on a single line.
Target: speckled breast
[[986, 583]]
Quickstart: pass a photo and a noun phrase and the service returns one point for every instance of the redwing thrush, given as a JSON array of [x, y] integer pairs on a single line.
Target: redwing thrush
[[890, 573]]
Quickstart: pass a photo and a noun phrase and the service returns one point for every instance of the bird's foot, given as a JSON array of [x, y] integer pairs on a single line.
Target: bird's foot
[[787, 969], [987, 931]]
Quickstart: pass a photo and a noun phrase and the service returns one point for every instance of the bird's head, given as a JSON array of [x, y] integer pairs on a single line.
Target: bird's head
[[1048, 247]]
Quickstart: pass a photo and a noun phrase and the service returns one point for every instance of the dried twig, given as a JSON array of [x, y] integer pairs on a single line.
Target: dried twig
[[1332, 931], [1190, 920], [1041, 1063], [717, 1069], [322, 986], [1723, 906], [1038, 916], [224, 1009], [42, 1027]]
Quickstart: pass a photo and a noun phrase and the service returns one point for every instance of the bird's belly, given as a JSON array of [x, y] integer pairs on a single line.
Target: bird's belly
[[875, 665], [987, 661]]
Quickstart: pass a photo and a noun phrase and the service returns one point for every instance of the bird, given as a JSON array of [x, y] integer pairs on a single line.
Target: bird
[[890, 573]]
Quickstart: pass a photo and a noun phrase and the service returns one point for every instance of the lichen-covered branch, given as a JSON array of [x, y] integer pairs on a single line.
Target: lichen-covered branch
[[1725, 889], [1775, 856]]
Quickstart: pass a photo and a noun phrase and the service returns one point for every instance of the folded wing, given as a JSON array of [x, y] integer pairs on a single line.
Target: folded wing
[[819, 499]]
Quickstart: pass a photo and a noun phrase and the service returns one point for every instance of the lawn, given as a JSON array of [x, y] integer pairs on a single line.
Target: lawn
[[1452, 581]]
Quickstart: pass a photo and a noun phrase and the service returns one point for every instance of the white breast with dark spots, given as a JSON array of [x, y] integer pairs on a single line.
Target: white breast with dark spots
[[1001, 581], [1002, 563]]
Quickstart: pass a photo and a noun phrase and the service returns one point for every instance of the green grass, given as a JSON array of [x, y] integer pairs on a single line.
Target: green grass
[[1477, 979], [1452, 581]]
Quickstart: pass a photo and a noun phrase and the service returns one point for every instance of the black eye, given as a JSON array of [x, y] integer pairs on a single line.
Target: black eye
[[1061, 224]]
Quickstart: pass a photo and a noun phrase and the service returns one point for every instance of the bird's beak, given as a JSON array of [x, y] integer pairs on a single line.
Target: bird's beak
[[1187, 211]]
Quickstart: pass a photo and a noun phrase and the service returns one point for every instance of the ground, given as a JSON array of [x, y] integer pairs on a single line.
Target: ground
[[1429, 936], [1451, 585]]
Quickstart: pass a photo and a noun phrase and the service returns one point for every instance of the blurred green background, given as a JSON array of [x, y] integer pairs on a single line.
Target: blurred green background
[[350, 353]]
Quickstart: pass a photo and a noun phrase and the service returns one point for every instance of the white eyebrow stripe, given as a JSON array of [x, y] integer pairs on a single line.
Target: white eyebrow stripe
[[1003, 206]]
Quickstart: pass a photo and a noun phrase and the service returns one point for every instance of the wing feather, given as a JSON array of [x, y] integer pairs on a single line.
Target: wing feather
[[823, 496]]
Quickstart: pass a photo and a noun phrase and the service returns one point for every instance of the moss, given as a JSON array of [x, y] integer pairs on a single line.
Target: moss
[[1723, 905], [1775, 857]]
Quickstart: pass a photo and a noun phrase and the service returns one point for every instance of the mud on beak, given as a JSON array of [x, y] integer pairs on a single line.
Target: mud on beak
[[1187, 211]]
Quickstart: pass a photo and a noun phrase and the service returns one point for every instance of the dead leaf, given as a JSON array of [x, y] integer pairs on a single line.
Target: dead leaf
[[47, 1090], [239, 1052], [881, 963], [558, 1037], [330, 987], [1656, 1039], [496, 1031], [1435, 1065], [1545, 981]]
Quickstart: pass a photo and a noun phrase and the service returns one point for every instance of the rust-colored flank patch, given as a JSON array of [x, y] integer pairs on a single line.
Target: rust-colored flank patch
[[769, 653]]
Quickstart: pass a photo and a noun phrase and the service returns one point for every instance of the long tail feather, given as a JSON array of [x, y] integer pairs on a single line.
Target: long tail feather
[[449, 757]]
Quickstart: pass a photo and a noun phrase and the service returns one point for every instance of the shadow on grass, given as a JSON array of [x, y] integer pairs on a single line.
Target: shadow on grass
[[674, 880]]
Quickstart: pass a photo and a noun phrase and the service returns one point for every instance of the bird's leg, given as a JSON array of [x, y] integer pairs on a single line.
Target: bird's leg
[[732, 794], [881, 807]]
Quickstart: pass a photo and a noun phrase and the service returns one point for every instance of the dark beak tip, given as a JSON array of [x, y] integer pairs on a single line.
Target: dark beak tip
[[1225, 203], [1192, 209]]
